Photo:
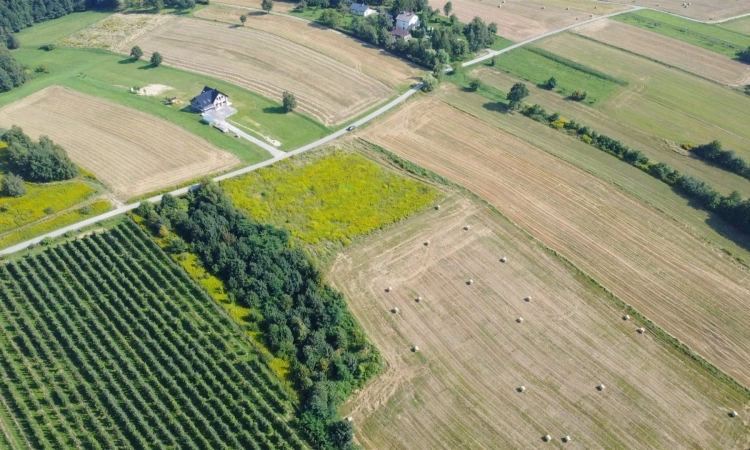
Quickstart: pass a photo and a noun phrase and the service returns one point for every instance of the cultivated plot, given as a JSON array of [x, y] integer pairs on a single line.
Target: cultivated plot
[[278, 5], [519, 20], [688, 287], [359, 55], [326, 89], [461, 389], [699, 9], [704, 63], [116, 32], [133, 152]]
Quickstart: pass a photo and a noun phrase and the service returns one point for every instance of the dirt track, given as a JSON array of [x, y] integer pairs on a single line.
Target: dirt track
[[687, 287], [670, 51], [269, 65], [99, 135], [459, 391]]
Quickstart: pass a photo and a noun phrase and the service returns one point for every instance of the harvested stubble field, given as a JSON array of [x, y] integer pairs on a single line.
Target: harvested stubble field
[[361, 56], [460, 389], [519, 20], [688, 287], [739, 25], [278, 5], [116, 32], [132, 152], [661, 100], [262, 62], [699, 9], [704, 63]]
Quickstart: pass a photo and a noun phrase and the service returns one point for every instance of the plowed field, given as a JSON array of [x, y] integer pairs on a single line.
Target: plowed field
[[701, 62], [363, 57], [460, 389], [326, 89], [133, 152], [689, 288]]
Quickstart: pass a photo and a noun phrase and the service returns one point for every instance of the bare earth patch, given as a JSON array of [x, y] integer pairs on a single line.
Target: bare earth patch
[[153, 90], [519, 20], [131, 151], [686, 286], [116, 32], [357, 54], [326, 89], [461, 389], [701, 62]]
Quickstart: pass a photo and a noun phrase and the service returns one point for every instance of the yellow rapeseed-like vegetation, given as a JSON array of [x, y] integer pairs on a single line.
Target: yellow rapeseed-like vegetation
[[70, 217], [334, 198], [16, 212]]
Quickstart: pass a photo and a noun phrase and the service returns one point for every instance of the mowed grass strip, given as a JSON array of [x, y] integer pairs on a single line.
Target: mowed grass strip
[[711, 37], [537, 66], [333, 199], [663, 270]]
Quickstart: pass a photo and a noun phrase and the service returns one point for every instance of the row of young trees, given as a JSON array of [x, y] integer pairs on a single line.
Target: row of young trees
[[303, 320], [726, 159], [732, 208], [40, 161]]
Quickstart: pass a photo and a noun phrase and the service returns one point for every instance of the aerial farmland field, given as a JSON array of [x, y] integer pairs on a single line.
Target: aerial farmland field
[[461, 389], [670, 51], [687, 286], [265, 63], [366, 58], [131, 151], [711, 10]]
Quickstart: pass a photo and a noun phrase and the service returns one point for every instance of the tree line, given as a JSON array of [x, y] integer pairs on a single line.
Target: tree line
[[304, 321], [732, 208], [40, 161], [726, 159], [16, 15], [11, 73]]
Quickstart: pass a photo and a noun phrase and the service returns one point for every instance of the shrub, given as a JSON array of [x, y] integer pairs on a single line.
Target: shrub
[[85, 210], [578, 95], [41, 69], [13, 186], [49, 210], [47, 47], [12, 42], [46, 241], [475, 85], [429, 83], [744, 55], [551, 83]]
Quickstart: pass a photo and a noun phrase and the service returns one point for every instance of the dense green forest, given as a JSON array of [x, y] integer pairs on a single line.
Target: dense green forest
[[16, 15], [303, 320], [40, 161], [11, 73]]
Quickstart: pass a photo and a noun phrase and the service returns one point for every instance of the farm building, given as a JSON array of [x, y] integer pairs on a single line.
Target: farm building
[[399, 33], [209, 99], [361, 9], [407, 21]]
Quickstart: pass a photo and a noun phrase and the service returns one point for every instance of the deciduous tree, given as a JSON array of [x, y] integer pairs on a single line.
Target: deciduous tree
[[156, 59], [517, 93], [289, 101], [267, 5], [136, 53], [448, 8], [13, 186]]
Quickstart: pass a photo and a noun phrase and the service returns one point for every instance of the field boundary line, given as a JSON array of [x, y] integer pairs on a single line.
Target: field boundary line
[[655, 329]]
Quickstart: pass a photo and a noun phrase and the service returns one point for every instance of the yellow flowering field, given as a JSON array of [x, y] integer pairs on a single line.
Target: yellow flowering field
[[333, 198]]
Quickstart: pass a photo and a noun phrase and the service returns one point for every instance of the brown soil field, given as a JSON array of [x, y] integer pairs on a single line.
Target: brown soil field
[[116, 32], [699, 9], [460, 389], [278, 6], [670, 51], [519, 20], [685, 285], [361, 56], [326, 89], [131, 151]]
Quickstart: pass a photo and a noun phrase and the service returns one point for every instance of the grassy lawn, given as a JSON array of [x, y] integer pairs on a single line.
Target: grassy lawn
[[720, 39], [109, 75], [537, 68]]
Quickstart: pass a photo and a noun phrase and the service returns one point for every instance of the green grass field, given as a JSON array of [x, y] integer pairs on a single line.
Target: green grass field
[[741, 26], [109, 75], [329, 200], [718, 38], [537, 68]]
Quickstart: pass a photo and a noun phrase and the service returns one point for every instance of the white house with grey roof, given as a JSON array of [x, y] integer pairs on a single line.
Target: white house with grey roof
[[407, 21], [361, 9]]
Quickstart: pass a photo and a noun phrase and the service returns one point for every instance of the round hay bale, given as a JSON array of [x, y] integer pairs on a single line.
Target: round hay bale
[[388, 289], [566, 439], [437, 207], [470, 282], [626, 317], [640, 330], [527, 299], [466, 227], [503, 259], [519, 320], [521, 389], [601, 387], [542, 7], [415, 349], [418, 299], [733, 414], [547, 438], [395, 310], [426, 243], [350, 419]]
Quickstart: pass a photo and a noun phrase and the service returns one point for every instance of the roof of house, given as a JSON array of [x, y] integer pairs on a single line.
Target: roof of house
[[406, 16], [400, 32], [359, 7], [206, 98]]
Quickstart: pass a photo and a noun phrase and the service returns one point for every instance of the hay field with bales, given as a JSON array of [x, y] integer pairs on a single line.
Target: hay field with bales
[[326, 89], [687, 286], [461, 389], [699, 9], [701, 62], [519, 20], [281, 6], [131, 151], [363, 57]]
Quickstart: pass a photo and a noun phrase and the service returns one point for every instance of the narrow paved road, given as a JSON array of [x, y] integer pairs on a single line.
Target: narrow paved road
[[278, 156]]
